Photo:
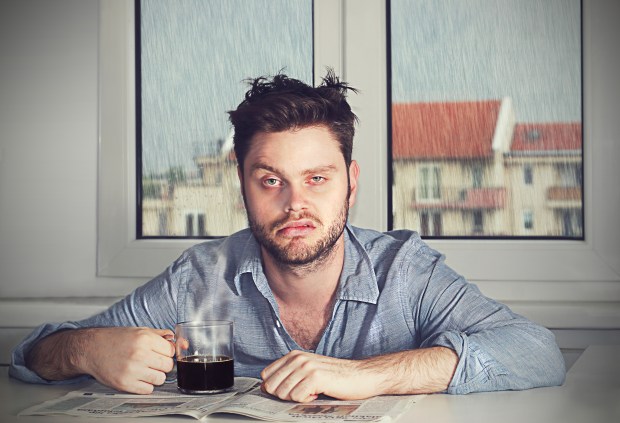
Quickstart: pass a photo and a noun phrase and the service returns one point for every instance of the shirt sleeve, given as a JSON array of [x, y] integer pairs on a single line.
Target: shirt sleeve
[[497, 348], [151, 305]]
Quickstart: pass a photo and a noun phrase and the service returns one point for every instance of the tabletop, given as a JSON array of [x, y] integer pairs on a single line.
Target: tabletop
[[590, 394]]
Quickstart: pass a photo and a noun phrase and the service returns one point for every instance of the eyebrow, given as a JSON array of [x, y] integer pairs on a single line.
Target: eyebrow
[[269, 168]]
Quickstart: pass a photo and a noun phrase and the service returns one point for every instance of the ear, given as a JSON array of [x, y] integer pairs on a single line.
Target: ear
[[354, 173], [240, 176]]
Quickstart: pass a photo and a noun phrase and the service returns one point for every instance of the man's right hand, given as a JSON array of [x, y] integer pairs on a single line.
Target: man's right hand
[[124, 358]]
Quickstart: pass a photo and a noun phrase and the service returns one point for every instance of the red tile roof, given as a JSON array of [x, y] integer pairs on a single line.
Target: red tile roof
[[443, 130], [547, 137]]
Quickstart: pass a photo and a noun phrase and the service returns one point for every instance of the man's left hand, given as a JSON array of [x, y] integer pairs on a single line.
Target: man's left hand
[[302, 377]]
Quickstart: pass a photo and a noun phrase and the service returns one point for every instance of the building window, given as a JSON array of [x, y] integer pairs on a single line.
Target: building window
[[189, 225], [528, 220], [572, 223], [195, 224], [430, 223], [477, 172], [478, 227], [429, 185], [528, 175], [570, 174]]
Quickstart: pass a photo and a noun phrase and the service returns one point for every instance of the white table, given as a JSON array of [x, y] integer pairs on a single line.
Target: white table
[[591, 394]]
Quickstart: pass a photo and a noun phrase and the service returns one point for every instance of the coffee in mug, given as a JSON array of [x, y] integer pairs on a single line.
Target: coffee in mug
[[205, 361]]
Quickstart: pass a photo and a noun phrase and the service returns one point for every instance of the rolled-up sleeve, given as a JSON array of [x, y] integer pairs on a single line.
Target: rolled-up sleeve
[[497, 348], [18, 368], [151, 305]]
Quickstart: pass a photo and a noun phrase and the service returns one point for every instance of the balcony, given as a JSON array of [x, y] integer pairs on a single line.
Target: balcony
[[564, 197], [450, 198]]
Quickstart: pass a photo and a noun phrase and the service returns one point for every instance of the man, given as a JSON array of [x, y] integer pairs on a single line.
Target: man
[[320, 307]]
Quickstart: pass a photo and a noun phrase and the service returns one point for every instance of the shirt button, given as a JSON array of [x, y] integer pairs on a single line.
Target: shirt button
[[278, 323]]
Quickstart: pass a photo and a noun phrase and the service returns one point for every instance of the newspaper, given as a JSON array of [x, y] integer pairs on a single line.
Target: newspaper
[[244, 399]]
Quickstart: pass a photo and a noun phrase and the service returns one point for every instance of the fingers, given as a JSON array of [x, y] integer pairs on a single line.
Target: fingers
[[159, 362], [302, 377], [131, 377], [160, 341], [158, 351], [294, 377], [153, 377], [131, 359]]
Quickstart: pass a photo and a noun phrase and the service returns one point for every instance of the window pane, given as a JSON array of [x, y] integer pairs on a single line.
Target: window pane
[[193, 57], [486, 117]]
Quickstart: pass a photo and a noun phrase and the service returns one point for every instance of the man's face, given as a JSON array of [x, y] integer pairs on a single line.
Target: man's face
[[296, 192]]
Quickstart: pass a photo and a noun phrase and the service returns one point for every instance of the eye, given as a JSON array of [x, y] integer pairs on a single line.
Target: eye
[[317, 179], [272, 182]]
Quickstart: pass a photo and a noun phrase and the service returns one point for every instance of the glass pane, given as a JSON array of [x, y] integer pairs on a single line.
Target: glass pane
[[486, 118], [194, 57]]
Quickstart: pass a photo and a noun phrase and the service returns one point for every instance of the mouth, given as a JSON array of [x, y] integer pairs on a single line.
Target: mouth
[[296, 228]]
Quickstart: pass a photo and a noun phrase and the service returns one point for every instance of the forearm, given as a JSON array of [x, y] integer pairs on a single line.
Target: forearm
[[420, 371], [59, 355]]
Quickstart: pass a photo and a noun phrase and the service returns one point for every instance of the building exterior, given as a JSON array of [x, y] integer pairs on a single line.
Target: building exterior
[[469, 169], [544, 170], [460, 169], [207, 205]]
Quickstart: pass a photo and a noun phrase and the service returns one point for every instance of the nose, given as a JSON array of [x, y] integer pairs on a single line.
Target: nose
[[296, 199]]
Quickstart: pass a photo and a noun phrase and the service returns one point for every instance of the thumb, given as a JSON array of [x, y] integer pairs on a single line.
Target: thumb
[[165, 333]]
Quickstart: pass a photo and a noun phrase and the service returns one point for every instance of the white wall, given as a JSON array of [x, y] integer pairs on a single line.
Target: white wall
[[48, 166], [48, 175], [48, 150]]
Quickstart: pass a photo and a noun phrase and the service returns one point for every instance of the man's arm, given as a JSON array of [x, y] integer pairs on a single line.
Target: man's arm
[[300, 376], [125, 358]]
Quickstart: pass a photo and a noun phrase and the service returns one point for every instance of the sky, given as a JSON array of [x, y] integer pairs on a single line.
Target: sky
[[193, 69], [442, 50], [529, 50]]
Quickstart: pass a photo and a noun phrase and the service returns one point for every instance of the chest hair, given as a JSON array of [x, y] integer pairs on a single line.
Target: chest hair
[[306, 325]]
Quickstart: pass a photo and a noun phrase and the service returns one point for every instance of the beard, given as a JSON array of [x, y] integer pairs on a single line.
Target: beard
[[296, 253]]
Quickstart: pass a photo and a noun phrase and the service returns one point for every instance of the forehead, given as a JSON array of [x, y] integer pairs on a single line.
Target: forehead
[[306, 147]]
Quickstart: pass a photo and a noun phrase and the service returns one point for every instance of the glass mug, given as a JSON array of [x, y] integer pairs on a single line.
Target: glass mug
[[205, 360]]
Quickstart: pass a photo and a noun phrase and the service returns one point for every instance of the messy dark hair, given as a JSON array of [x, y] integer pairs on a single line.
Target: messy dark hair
[[283, 103]]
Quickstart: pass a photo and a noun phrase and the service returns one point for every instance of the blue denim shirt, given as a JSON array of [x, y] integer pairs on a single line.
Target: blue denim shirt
[[395, 293]]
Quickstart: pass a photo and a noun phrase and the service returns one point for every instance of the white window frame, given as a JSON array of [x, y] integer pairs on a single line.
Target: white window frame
[[119, 252], [546, 270]]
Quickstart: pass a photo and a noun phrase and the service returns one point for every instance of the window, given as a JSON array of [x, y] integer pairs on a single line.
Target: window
[[528, 220], [528, 174], [195, 224], [477, 172], [430, 223], [429, 187], [185, 88], [583, 269], [478, 226], [570, 174], [571, 222], [463, 94]]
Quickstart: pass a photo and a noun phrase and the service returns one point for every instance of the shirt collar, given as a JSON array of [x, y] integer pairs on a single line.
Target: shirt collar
[[250, 262], [358, 281]]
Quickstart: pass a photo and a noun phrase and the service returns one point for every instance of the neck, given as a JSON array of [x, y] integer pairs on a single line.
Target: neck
[[314, 282]]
